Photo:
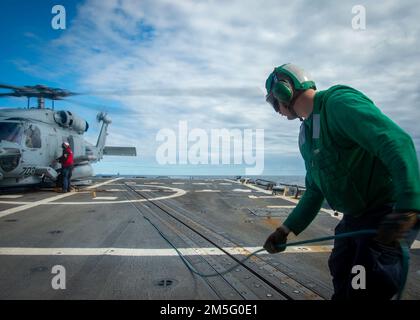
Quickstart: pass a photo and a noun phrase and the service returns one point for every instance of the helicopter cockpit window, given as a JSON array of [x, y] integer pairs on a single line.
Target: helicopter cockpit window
[[33, 137], [10, 131]]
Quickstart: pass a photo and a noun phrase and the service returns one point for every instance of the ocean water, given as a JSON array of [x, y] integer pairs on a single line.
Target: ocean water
[[294, 180]]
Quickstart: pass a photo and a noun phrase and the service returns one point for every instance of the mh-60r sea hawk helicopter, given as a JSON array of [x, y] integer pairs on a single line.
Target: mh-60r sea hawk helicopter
[[31, 139]]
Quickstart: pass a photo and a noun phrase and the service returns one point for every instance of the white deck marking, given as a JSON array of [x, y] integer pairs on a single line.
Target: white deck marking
[[262, 197], [176, 193], [199, 183], [131, 252], [135, 252], [328, 211], [416, 244], [10, 196], [178, 182], [232, 181], [105, 198], [225, 184], [48, 200], [280, 207], [241, 190], [102, 183], [207, 190], [14, 202]]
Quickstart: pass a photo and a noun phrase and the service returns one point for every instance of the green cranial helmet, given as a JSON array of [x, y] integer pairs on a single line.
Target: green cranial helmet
[[286, 82]]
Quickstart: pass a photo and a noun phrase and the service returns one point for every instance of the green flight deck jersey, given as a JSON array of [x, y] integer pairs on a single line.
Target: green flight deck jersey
[[355, 157]]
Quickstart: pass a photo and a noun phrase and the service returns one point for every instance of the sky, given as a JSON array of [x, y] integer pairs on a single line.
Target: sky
[[153, 65]]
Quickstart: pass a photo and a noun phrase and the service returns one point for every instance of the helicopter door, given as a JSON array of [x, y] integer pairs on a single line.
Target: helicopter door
[[52, 146]]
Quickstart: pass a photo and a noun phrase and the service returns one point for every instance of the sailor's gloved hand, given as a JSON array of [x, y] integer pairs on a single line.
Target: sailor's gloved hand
[[277, 238], [395, 226]]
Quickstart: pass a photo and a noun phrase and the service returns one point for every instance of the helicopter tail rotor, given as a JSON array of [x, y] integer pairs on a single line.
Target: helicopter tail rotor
[[102, 116]]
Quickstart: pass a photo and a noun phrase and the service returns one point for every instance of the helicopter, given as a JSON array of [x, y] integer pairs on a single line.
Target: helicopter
[[31, 139]]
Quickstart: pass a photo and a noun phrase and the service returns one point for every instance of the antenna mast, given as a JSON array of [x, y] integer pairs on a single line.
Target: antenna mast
[[41, 103]]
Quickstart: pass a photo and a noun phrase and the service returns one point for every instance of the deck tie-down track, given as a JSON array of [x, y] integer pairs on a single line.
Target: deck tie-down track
[[254, 279]]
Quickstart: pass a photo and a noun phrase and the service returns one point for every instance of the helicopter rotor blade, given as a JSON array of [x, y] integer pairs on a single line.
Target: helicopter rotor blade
[[8, 86], [7, 95], [174, 92], [38, 91], [84, 104], [94, 106], [204, 91]]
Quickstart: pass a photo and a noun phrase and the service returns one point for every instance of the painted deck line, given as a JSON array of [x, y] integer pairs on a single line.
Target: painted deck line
[[138, 252], [105, 198], [280, 207], [174, 192], [48, 200], [262, 197], [330, 212], [11, 196], [241, 190]]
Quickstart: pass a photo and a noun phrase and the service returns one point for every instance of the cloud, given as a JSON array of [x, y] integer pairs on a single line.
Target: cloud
[[207, 61]]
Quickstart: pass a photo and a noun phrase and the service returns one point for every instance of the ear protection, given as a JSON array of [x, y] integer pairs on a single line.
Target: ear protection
[[283, 91]]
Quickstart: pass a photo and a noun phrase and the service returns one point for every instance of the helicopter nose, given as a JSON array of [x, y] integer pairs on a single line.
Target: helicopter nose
[[9, 158]]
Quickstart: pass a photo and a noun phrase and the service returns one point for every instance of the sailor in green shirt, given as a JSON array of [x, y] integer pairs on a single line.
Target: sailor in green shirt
[[364, 165]]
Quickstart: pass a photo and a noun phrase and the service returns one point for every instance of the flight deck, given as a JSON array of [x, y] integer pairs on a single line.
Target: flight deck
[[121, 238]]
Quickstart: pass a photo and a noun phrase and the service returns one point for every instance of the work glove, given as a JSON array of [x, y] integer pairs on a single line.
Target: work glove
[[276, 239], [395, 227]]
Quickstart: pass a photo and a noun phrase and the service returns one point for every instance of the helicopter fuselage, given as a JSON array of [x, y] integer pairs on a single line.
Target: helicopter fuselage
[[30, 143], [31, 139]]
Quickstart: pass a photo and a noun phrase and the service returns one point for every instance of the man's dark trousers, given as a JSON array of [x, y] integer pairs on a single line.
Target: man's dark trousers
[[383, 264], [66, 172]]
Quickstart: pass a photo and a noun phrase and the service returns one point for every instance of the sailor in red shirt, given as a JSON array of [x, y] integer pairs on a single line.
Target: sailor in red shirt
[[67, 162]]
